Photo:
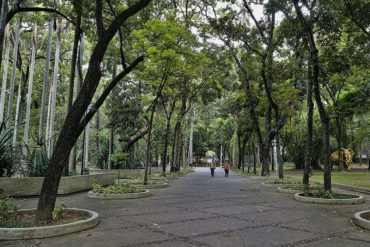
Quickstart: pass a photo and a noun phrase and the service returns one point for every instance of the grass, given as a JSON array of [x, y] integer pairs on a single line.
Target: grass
[[359, 179]]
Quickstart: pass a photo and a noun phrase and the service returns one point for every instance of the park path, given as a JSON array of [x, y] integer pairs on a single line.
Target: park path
[[198, 210]]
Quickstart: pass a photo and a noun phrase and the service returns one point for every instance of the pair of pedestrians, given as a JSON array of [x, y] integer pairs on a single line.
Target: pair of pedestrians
[[212, 166]]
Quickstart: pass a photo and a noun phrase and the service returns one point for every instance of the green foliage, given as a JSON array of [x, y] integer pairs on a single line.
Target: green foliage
[[116, 188], [39, 161], [5, 152], [59, 212], [7, 207]]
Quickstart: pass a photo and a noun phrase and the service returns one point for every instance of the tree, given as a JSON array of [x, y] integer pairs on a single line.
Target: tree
[[73, 123]]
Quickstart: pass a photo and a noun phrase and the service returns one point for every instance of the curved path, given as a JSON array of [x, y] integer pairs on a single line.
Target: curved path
[[198, 210]]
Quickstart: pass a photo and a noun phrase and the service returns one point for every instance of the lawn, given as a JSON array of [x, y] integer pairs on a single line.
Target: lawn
[[359, 179]]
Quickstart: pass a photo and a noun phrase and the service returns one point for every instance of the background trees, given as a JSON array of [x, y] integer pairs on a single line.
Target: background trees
[[253, 78]]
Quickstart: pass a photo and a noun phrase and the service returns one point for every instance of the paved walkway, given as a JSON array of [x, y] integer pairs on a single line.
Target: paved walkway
[[198, 210]]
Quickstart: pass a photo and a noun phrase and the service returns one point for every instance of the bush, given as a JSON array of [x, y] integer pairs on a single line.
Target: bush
[[59, 212], [7, 207]]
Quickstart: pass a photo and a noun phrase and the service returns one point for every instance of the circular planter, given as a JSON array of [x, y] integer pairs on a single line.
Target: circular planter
[[103, 196], [359, 199], [51, 231], [152, 186], [361, 221]]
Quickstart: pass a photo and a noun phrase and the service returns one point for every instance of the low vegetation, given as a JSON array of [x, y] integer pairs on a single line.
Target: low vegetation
[[117, 189]]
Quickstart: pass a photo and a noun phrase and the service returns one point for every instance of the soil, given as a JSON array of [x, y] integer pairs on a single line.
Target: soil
[[366, 216], [335, 196], [27, 219]]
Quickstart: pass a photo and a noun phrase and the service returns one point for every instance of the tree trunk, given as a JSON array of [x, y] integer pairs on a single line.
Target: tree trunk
[[45, 85], [316, 86], [12, 80], [72, 74], [166, 137], [110, 149], [309, 144], [54, 90], [339, 141], [3, 16], [190, 149], [6, 44], [17, 109], [97, 135]]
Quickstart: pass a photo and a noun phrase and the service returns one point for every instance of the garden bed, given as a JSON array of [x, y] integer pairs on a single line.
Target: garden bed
[[117, 191], [336, 198], [152, 184], [74, 220], [362, 219]]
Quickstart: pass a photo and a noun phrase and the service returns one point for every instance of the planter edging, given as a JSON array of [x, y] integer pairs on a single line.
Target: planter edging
[[51, 231], [360, 221], [103, 196], [360, 199]]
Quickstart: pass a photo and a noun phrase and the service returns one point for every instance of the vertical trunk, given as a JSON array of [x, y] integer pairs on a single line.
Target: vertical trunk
[[111, 136], [30, 86], [12, 80], [339, 141], [5, 71], [316, 90], [239, 151], [71, 82], [272, 158], [4, 13], [15, 130], [110, 148], [45, 84], [148, 145], [47, 131], [86, 145], [309, 144], [190, 149], [279, 158], [29, 94], [54, 90], [166, 137], [97, 136], [254, 160], [165, 145]]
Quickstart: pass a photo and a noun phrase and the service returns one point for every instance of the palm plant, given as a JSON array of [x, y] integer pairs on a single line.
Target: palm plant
[[5, 151]]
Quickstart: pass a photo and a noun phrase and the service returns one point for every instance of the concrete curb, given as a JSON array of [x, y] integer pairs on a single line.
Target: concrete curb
[[152, 186], [360, 199], [262, 177], [360, 221], [103, 196], [264, 184], [287, 190], [51, 231]]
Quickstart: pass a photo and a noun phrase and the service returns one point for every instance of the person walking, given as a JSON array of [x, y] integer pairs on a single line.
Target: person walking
[[226, 168], [212, 166]]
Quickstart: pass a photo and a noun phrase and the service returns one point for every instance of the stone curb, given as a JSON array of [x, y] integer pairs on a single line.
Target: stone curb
[[269, 185], [152, 186], [103, 196], [360, 221], [51, 231], [262, 177], [358, 200], [287, 191]]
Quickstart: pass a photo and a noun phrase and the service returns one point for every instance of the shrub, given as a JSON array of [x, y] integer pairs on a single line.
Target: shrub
[[7, 207], [116, 189], [59, 212]]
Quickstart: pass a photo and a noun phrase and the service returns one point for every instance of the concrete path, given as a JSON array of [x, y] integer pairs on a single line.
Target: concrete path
[[198, 210]]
